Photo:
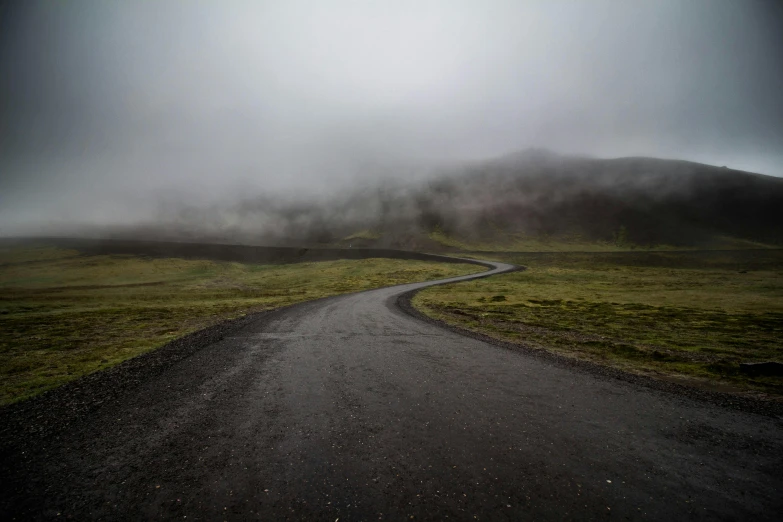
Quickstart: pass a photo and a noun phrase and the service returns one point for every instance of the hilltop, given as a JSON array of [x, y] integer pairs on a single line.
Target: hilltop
[[534, 199]]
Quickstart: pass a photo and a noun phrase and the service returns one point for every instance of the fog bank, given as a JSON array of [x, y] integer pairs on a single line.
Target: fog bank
[[119, 112]]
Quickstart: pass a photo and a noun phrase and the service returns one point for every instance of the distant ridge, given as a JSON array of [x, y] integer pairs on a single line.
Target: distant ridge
[[533, 193]]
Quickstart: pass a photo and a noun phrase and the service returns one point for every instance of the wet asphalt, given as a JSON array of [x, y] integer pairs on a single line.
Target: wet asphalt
[[348, 408]]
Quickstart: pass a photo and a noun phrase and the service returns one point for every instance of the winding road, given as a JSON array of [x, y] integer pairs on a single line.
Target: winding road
[[348, 408]]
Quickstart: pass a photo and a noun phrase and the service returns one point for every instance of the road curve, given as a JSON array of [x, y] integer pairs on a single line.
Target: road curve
[[348, 408]]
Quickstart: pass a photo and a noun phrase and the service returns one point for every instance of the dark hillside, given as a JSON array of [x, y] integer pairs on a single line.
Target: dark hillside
[[532, 194], [636, 200]]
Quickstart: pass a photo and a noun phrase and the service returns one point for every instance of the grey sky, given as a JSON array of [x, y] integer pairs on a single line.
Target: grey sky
[[112, 109]]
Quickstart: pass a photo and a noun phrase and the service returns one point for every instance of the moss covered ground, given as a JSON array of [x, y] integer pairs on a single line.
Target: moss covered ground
[[686, 315], [63, 315]]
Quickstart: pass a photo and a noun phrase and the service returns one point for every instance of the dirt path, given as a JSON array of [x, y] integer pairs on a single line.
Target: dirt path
[[349, 408]]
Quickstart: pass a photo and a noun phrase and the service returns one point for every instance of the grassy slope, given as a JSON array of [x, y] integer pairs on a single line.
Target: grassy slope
[[63, 315], [520, 243], [574, 243], [363, 234], [691, 314]]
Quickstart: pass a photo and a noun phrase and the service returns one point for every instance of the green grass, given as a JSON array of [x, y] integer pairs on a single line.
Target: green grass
[[363, 234], [692, 315], [63, 315], [522, 243], [572, 243]]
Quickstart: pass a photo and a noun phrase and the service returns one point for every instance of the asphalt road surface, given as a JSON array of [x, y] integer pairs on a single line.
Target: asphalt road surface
[[347, 408]]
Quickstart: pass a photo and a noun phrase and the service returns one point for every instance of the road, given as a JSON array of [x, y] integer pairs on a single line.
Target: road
[[347, 408]]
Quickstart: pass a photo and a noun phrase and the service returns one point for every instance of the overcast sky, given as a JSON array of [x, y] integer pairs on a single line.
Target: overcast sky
[[112, 108]]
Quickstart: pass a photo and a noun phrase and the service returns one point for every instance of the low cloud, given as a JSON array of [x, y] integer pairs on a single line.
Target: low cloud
[[125, 113]]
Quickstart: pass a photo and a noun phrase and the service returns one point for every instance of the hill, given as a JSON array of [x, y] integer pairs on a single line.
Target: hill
[[642, 201], [537, 195], [534, 197]]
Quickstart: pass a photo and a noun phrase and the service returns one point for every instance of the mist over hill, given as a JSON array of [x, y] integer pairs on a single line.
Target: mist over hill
[[376, 122], [531, 194]]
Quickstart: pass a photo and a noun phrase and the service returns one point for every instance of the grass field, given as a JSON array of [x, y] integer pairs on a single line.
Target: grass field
[[686, 315], [574, 243], [63, 315]]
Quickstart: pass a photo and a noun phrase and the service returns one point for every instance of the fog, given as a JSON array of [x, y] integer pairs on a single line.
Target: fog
[[125, 112]]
